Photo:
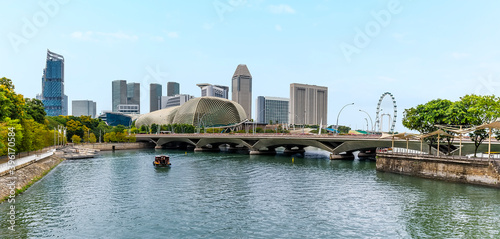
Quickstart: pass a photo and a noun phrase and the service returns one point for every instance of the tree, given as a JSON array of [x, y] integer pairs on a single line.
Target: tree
[[76, 139], [35, 110], [425, 117], [106, 137], [74, 127], [12, 105], [92, 138], [474, 110], [154, 128], [343, 129]]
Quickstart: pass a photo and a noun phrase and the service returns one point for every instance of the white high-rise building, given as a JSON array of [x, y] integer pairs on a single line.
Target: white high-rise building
[[308, 104]]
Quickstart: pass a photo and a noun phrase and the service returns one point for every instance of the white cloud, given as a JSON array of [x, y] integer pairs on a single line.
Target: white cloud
[[459, 55], [278, 27], [172, 34], [282, 8], [103, 36]]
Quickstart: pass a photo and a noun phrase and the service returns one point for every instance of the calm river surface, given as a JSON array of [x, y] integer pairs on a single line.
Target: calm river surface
[[220, 195]]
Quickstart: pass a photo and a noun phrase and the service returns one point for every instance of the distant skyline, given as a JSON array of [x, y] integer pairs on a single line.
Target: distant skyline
[[417, 50]]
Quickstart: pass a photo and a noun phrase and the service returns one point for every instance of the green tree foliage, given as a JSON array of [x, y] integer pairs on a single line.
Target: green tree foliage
[[12, 105], [92, 138], [35, 110], [76, 139], [74, 128], [154, 128], [344, 129], [425, 117], [470, 110]]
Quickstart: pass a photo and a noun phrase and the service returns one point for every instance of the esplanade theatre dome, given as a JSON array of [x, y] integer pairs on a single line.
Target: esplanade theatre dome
[[202, 111]]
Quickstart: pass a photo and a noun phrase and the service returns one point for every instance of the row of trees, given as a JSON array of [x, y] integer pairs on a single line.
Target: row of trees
[[469, 111], [85, 129], [27, 117]]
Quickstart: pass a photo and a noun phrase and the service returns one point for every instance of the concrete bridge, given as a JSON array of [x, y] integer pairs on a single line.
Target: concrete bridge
[[339, 146]]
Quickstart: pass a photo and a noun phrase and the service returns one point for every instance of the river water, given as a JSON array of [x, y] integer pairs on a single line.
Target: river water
[[221, 195]]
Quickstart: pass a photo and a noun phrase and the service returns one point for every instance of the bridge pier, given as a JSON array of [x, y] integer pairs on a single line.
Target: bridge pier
[[269, 151], [213, 148], [346, 156], [291, 150]]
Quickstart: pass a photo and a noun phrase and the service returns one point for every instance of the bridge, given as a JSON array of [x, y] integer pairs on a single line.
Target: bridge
[[339, 146]]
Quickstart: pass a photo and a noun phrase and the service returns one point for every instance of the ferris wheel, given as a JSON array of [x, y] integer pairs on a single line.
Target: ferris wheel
[[394, 116]]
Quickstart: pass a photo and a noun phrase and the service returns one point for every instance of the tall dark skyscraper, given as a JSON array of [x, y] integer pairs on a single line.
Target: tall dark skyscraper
[[126, 98], [173, 88], [242, 88], [118, 94], [53, 97], [134, 94], [155, 95]]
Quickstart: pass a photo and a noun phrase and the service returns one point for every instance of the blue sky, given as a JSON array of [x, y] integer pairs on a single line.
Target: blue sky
[[417, 50]]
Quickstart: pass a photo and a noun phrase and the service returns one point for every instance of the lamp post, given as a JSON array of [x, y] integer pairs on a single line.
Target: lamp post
[[366, 124], [337, 124], [368, 117]]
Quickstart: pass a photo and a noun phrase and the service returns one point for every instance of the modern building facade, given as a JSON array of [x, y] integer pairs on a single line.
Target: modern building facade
[[202, 112], [272, 109], [118, 94], [84, 107], [173, 88], [53, 97], [155, 94], [308, 104], [124, 94], [115, 119], [134, 95], [177, 100], [214, 90], [242, 88]]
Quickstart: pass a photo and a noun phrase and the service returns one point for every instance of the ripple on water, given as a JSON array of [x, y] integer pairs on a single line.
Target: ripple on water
[[220, 195]]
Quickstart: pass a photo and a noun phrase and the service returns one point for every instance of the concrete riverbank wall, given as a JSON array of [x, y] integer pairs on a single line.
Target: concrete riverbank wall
[[463, 170], [25, 175], [117, 146]]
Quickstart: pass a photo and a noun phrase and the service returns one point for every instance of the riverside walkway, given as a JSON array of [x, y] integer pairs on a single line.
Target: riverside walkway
[[4, 167]]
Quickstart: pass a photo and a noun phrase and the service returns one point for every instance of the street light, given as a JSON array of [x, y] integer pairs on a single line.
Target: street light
[[366, 124], [337, 125], [368, 117]]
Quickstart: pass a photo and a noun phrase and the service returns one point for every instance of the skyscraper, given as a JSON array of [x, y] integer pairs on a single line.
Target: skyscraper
[[242, 88], [53, 97], [173, 88], [308, 104], [273, 109], [84, 107], [126, 98], [155, 95], [118, 94], [177, 100], [214, 90], [134, 95]]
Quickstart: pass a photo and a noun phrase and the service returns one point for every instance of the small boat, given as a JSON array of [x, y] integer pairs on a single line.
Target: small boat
[[162, 161]]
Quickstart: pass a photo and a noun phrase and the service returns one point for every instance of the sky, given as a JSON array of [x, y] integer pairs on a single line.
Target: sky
[[416, 50]]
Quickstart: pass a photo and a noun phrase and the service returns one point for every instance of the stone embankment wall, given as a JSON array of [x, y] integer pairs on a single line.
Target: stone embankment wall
[[456, 170], [117, 146], [27, 174]]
